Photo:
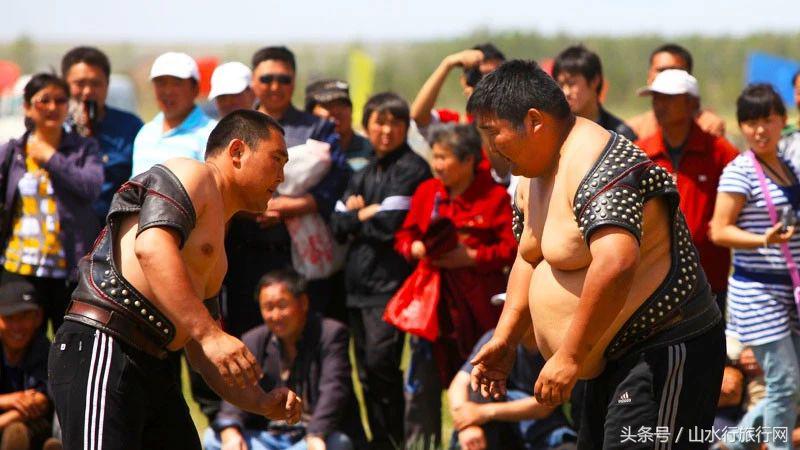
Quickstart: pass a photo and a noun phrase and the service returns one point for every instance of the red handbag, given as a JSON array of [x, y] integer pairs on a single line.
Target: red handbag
[[413, 308]]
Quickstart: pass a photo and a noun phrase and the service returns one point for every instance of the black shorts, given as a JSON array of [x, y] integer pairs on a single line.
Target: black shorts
[[657, 399], [110, 396]]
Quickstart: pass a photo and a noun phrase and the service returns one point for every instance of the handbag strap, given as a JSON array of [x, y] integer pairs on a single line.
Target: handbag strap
[[773, 215]]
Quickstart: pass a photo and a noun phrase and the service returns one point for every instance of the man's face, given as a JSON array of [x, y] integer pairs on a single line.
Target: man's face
[[229, 103], [662, 61], [385, 132], [339, 112], [261, 169], [17, 330], [283, 313], [515, 144], [273, 84], [581, 94], [87, 82], [175, 96], [673, 110]]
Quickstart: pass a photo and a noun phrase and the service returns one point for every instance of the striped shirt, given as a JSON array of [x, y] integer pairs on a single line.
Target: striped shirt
[[761, 306]]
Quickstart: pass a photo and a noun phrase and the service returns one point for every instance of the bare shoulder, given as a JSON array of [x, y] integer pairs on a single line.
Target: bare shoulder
[[196, 178], [581, 151]]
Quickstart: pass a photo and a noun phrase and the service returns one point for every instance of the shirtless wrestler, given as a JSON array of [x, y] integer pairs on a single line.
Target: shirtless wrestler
[[606, 272], [140, 299]]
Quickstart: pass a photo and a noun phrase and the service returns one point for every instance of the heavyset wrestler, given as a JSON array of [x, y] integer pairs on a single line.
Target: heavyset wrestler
[[140, 299], [606, 273]]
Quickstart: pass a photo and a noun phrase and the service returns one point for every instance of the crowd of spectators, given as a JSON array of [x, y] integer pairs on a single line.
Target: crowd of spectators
[[388, 212]]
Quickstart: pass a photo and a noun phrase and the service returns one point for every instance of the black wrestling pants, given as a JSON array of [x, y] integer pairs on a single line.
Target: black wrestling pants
[[110, 396], [656, 399]]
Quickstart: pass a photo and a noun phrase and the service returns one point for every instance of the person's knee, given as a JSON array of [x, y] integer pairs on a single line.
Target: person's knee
[[338, 441], [16, 436]]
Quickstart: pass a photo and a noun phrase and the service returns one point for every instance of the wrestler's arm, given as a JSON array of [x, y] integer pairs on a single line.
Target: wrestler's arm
[[277, 404], [493, 362]]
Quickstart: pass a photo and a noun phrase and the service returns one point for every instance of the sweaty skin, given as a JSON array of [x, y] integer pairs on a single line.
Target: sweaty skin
[[552, 244]]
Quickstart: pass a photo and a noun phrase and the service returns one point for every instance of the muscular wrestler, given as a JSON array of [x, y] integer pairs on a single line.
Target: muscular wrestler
[[606, 273], [140, 298]]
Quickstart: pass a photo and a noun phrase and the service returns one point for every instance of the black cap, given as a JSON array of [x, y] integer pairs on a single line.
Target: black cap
[[324, 91], [17, 294]]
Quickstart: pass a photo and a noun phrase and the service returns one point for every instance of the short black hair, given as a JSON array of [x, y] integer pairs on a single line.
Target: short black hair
[[288, 277], [246, 124], [490, 52], [277, 53], [386, 102], [40, 81], [758, 101], [515, 87], [89, 55], [676, 50], [579, 60], [462, 140]]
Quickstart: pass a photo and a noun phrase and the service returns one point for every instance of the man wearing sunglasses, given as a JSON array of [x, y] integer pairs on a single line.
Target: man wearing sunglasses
[[260, 243]]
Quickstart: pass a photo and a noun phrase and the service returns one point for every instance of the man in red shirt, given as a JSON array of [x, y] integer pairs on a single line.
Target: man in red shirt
[[696, 159]]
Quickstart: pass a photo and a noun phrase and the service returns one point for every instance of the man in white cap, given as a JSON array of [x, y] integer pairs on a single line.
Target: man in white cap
[[695, 158], [230, 88], [180, 129]]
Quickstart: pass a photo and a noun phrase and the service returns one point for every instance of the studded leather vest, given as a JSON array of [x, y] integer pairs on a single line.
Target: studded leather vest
[[613, 193], [161, 201]]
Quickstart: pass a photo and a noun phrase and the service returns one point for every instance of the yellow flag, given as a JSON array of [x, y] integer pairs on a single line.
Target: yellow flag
[[361, 77]]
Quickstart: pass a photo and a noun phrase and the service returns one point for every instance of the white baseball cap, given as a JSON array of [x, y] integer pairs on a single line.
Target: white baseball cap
[[229, 78], [672, 82], [175, 64]]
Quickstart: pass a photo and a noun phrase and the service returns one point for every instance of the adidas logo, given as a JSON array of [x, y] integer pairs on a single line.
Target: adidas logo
[[624, 398]]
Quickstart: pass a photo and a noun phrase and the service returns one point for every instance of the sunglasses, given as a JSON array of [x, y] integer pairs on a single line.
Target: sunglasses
[[281, 79], [44, 101]]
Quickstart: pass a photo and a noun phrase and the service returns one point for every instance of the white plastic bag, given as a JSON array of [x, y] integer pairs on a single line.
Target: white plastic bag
[[315, 254], [308, 164]]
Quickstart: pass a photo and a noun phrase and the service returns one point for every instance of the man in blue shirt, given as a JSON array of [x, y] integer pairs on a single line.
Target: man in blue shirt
[[181, 129], [88, 71]]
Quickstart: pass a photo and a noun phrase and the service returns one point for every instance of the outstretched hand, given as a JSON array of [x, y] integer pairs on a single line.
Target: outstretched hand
[[556, 380], [491, 367], [232, 359], [283, 404]]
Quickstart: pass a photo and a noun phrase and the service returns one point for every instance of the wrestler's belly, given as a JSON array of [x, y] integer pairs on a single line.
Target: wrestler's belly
[[554, 297]]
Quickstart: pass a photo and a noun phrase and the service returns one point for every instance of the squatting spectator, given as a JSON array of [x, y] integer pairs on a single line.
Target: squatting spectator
[[759, 196], [372, 209], [579, 73], [181, 129], [300, 350], [518, 422], [695, 158], [87, 71], [53, 179], [471, 273], [330, 99], [673, 56], [230, 88]]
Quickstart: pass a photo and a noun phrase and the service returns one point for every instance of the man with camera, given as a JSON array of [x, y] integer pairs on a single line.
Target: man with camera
[[88, 71]]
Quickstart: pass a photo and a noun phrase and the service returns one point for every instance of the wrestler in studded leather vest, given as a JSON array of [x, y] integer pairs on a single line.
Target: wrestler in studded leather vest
[[613, 192], [161, 201]]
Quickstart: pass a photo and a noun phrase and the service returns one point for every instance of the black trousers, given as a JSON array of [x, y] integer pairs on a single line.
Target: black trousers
[[111, 396], [378, 349], [651, 400]]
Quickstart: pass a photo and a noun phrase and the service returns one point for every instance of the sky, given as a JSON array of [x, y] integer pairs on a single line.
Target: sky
[[203, 21]]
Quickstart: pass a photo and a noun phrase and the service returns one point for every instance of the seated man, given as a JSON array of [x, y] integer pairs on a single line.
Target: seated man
[[24, 407], [301, 349], [518, 422]]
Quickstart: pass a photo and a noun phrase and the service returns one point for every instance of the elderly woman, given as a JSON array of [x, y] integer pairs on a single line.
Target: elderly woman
[[471, 273], [50, 177], [759, 196]]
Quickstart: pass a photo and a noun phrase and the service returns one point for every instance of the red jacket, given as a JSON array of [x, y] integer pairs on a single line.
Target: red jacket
[[482, 216], [704, 157]]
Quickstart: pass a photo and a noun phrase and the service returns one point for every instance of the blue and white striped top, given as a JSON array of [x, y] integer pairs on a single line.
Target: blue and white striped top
[[740, 177]]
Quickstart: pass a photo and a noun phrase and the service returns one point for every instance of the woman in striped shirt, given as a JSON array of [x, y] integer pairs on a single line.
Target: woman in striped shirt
[[761, 305]]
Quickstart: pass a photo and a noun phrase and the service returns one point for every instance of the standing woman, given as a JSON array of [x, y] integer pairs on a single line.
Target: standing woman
[[50, 177], [757, 190]]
